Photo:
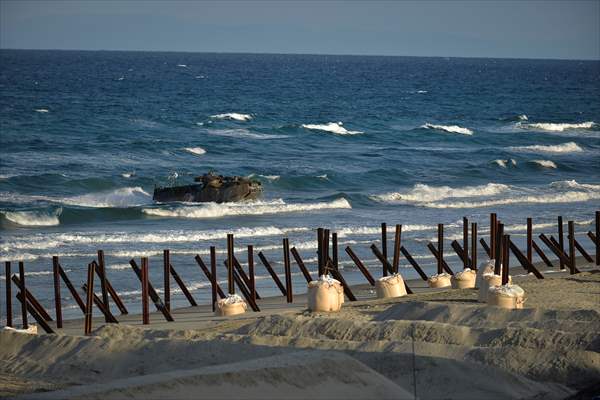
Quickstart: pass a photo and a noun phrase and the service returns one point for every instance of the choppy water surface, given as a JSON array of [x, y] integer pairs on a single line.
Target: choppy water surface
[[338, 141]]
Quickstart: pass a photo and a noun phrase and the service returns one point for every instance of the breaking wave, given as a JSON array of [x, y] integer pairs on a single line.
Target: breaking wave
[[245, 134], [42, 110], [233, 116], [421, 193], [333, 127], [545, 163], [448, 128], [557, 127], [569, 197], [214, 210], [195, 150], [569, 147], [504, 163], [33, 218], [119, 198]]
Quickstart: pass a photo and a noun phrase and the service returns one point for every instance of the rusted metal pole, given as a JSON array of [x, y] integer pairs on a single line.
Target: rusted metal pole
[[206, 271], [561, 240], [397, 245], [435, 253], [529, 240], [240, 271], [542, 255], [23, 295], [460, 252], [71, 288], [182, 286], [213, 277], [598, 238], [571, 228], [301, 265], [384, 247], [386, 263], [486, 248], [32, 300], [320, 250], [57, 300], [466, 263], [153, 295], [493, 232], [562, 256], [498, 252], [360, 266], [251, 272], [145, 311], [230, 282], [111, 291], [440, 257], [505, 259], [326, 266], [167, 278], [287, 269], [108, 316], [474, 246], [9, 314], [31, 310], [334, 250], [529, 267], [267, 265], [414, 264], [102, 274], [584, 253], [89, 300]]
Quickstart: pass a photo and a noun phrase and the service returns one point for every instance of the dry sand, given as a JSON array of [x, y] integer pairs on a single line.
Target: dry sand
[[455, 347]]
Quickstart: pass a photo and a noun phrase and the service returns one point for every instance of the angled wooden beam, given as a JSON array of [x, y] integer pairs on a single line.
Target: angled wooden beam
[[461, 253], [31, 310], [360, 266], [414, 264], [32, 300], [238, 281], [108, 316], [486, 248], [111, 290], [152, 292], [71, 288], [434, 251], [387, 265], [57, 297], [560, 254], [301, 265], [99, 267], [581, 250], [208, 274], [182, 286], [267, 265], [338, 276], [542, 255], [529, 267]]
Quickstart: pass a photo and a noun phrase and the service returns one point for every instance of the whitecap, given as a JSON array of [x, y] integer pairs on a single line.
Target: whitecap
[[522, 117], [195, 150], [214, 210], [182, 65], [324, 176], [121, 78], [505, 163], [42, 110], [244, 134], [545, 163], [333, 127], [557, 127], [569, 147], [448, 128], [128, 174], [233, 116], [424, 193], [33, 218], [568, 197], [421, 91], [573, 184], [123, 197]]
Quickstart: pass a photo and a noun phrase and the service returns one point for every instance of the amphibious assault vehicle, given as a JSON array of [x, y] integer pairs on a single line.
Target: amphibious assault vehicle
[[211, 188]]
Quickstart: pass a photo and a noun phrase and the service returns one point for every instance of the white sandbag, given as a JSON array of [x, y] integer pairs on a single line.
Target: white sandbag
[[325, 294], [464, 279], [233, 304], [485, 268], [439, 281], [506, 296], [390, 286], [31, 329], [489, 281]]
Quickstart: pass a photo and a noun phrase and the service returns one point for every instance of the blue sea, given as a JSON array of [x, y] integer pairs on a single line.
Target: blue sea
[[341, 142]]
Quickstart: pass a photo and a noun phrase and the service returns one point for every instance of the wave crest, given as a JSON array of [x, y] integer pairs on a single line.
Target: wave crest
[[233, 116], [421, 193], [448, 128], [569, 147], [33, 218], [545, 163], [332, 127], [557, 127], [244, 134], [119, 198], [195, 150]]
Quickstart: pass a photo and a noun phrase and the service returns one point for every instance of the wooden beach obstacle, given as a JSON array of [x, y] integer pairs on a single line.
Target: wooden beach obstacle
[[441, 279], [29, 304], [464, 279], [326, 294], [158, 303], [505, 295], [233, 304], [392, 285], [9, 310]]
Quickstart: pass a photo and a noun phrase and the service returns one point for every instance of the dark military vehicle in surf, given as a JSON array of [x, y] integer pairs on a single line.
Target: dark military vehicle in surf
[[211, 188]]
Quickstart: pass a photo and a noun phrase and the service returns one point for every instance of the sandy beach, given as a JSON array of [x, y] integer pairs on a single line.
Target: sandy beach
[[435, 344]]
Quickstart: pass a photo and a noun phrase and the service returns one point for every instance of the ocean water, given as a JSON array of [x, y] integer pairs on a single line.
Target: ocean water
[[342, 142]]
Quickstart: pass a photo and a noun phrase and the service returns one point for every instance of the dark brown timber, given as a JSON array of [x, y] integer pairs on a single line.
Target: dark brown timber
[[560, 254], [267, 265], [529, 240], [498, 252], [338, 276], [212, 277], [111, 290], [287, 270], [571, 228], [102, 275], [89, 303], [529, 267], [57, 299], [561, 240], [474, 246], [108, 316], [9, 314], [182, 286], [145, 311], [384, 248], [581, 250], [540, 253], [301, 265], [414, 264], [230, 272], [35, 314], [238, 281], [71, 288], [505, 259], [167, 278], [23, 292], [31, 298], [486, 248], [253, 293], [434, 251], [360, 266], [152, 292], [397, 245], [208, 274], [465, 258]]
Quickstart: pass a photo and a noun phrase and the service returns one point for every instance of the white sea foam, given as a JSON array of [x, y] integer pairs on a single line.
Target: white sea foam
[[421, 91], [448, 128], [324, 176], [244, 134], [504, 163], [557, 127], [195, 150], [182, 65], [7, 176], [42, 110], [376, 230], [33, 218], [523, 117], [545, 163], [424, 193], [233, 116], [332, 127], [569, 147], [128, 174], [123, 197], [568, 197], [213, 210], [573, 184]]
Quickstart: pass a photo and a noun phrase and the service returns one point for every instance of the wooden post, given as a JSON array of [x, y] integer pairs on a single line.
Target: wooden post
[[584, 253], [397, 245], [240, 271], [498, 245], [267, 265], [320, 250], [182, 286], [466, 263], [561, 240], [529, 267], [334, 250], [288, 272], [505, 259], [474, 246], [40, 320], [213, 278], [325, 250], [529, 240], [386, 264], [145, 311], [598, 238], [562, 256], [540, 253], [111, 291], [230, 282], [71, 288], [204, 269], [57, 300], [251, 272], [360, 266], [105, 311], [9, 317], [301, 265], [32, 300], [23, 295], [167, 278], [102, 273], [414, 264], [493, 232], [435, 253], [89, 300], [440, 256], [384, 247], [152, 293], [571, 228]]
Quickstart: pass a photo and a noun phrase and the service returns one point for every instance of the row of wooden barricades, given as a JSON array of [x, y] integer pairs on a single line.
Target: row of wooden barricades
[[327, 260]]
